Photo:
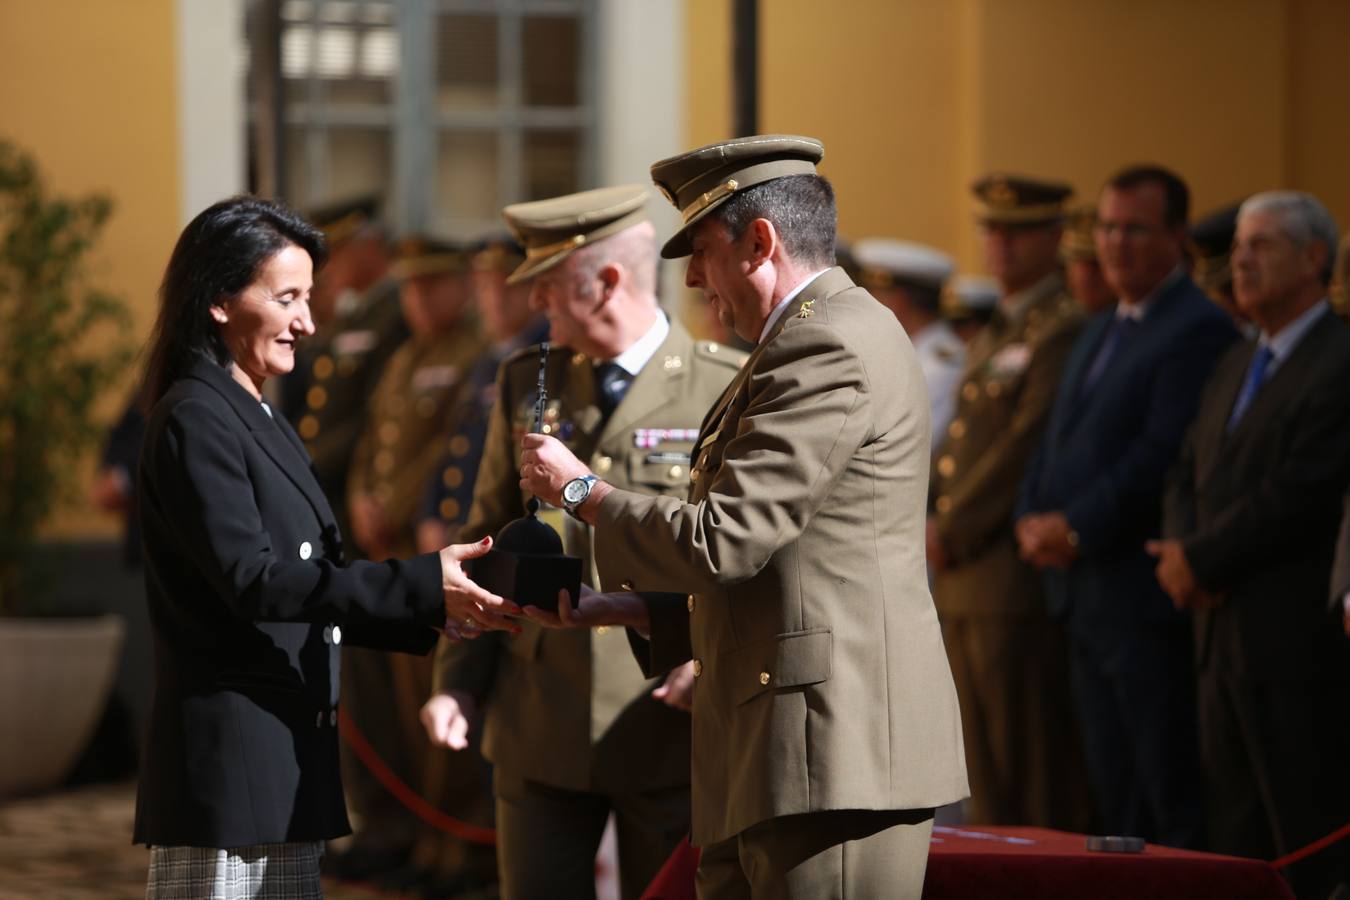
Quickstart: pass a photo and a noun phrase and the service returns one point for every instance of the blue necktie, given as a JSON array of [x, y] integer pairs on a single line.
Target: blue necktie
[[1256, 374], [611, 383], [1122, 329]]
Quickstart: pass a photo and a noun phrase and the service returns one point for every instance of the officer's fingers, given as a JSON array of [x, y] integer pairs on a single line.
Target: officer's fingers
[[543, 617], [457, 733]]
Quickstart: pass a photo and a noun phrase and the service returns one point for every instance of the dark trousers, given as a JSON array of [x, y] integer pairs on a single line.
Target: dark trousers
[[1276, 778], [1136, 706]]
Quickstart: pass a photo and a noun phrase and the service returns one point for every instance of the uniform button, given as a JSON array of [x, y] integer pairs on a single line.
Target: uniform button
[[337, 634], [676, 472], [328, 634], [946, 466], [306, 550], [318, 719], [316, 397], [546, 428], [712, 348], [578, 359], [698, 667], [944, 504], [994, 388], [459, 445], [323, 367], [449, 509], [384, 462], [763, 677], [332, 717], [970, 391], [690, 603], [693, 474], [957, 429], [309, 428], [602, 629], [453, 477], [604, 464], [627, 585]]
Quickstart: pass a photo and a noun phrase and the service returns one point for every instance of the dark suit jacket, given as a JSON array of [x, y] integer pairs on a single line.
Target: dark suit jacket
[[1107, 450], [248, 601], [1257, 509], [1340, 572]]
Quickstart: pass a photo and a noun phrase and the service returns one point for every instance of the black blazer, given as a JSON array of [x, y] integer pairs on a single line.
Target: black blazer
[[1257, 510], [1107, 450], [248, 602]]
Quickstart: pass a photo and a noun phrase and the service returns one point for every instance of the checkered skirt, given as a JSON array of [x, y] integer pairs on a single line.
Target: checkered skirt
[[258, 872]]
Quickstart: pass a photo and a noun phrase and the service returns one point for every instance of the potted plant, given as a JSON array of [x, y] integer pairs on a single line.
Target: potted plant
[[61, 346]]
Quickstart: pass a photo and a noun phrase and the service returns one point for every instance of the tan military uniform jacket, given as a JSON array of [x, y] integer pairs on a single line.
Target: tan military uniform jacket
[[822, 680], [550, 695], [402, 444], [1012, 373]]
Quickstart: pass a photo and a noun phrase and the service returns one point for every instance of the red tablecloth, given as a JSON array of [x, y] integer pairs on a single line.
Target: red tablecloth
[[1038, 863]]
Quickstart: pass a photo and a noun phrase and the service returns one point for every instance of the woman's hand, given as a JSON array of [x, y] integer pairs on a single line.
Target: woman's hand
[[470, 609], [627, 610]]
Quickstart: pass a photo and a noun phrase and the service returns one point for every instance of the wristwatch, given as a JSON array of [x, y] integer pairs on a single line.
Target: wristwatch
[[575, 492]]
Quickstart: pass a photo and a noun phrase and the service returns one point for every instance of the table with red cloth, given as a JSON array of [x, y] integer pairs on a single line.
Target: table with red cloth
[[1014, 863]]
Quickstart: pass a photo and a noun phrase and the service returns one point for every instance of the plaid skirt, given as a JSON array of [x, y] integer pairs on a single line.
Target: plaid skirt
[[259, 872]]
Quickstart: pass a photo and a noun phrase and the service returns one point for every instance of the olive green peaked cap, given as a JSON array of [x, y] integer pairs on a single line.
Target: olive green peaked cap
[[699, 181], [1018, 200], [551, 229]]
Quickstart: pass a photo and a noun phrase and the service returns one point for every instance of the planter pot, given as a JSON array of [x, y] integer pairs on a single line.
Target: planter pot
[[55, 675]]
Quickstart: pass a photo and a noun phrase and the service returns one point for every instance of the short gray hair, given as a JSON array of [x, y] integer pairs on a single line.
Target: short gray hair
[[634, 248], [1303, 219]]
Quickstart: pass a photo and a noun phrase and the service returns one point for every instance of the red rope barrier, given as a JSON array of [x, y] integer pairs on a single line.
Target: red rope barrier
[[1320, 844], [402, 793]]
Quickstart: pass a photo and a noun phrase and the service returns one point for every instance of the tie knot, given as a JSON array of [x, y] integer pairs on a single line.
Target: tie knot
[[611, 383]]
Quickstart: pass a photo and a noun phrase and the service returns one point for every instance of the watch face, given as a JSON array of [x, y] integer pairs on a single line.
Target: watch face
[[574, 491]]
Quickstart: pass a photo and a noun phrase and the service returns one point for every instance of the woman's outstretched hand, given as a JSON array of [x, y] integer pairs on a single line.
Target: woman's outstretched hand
[[470, 609]]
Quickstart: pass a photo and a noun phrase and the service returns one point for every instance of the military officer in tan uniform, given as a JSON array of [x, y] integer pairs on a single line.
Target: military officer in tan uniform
[[908, 279], [399, 450], [825, 722], [1008, 659], [1082, 270], [570, 724]]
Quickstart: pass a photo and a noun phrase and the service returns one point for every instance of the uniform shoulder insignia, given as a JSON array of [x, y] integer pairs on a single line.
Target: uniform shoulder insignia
[[720, 353], [808, 309]]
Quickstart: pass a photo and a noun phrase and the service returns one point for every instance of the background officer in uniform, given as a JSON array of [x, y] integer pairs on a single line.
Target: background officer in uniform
[[907, 278], [1008, 659], [570, 725], [968, 303], [1082, 269], [399, 448], [825, 722]]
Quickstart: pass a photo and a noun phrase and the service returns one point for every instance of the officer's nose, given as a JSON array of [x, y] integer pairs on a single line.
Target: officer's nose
[[693, 274]]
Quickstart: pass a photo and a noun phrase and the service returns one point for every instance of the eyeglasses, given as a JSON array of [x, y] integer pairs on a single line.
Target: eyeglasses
[[1132, 231]]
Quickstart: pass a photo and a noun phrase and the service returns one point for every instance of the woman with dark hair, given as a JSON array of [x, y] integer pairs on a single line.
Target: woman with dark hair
[[249, 598]]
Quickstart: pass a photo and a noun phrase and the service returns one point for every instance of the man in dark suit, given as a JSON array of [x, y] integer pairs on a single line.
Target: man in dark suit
[[1091, 498], [1251, 514]]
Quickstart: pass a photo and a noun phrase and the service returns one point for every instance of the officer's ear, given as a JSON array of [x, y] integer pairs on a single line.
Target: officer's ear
[[609, 276], [762, 241]]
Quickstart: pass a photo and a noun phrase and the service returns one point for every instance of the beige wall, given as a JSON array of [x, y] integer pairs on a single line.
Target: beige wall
[[916, 98], [88, 87]]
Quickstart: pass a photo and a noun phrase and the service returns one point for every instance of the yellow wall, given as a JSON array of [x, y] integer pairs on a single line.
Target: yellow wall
[[914, 99], [89, 88]]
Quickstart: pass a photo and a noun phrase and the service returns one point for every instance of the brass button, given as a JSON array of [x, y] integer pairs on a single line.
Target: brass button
[[698, 667], [459, 445], [693, 474], [994, 388], [944, 504], [627, 585], [316, 397], [676, 471], [690, 603], [323, 367], [763, 677], [546, 428], [449, 509], [309, 428], [389, 432], [957, 429], [452, 477], [970, 391], [603, 465], [384, 462], [946, 466], [712, 348], [578, 359], [602, 629]]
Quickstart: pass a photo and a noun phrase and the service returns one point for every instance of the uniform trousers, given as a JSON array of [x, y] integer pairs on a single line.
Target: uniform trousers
[[1275, 755], [1023, 752], [849, 854], [547, 837]]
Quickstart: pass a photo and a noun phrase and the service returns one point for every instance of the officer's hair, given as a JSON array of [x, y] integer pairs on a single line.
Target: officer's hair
[[801, 208], [217, 256], [633, 248], [1176, 196], [1303, 219]]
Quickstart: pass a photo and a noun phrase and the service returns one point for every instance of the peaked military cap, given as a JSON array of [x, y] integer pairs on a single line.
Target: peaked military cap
[[1079, 240], [497, 253], [340, 220], [418, 255], [883, 263], [701, 180], [1019, 200], [969, 295], [551, 229]]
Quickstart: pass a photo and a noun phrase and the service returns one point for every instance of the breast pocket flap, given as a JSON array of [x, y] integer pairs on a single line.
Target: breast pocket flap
[[789, 660]]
